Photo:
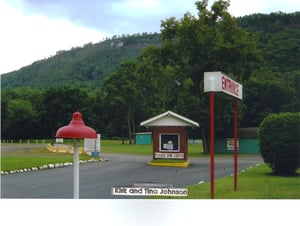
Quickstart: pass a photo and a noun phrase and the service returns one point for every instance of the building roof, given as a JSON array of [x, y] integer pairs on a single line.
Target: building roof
[[169, 118]]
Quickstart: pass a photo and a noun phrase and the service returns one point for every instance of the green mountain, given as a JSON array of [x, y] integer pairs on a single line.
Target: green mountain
[[278, 38], [86, 66]]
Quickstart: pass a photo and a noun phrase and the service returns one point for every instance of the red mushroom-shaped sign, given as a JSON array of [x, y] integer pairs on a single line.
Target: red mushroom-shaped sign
[[76, 129]]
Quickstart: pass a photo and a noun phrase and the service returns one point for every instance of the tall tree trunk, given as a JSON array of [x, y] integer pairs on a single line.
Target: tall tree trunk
[[129, 126], [133, 126]]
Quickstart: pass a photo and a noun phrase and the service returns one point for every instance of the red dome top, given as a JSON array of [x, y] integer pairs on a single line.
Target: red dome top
[[76, 129]]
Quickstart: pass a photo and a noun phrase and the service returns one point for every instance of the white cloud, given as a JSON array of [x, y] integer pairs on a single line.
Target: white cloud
[[245, 7], [25, 39]]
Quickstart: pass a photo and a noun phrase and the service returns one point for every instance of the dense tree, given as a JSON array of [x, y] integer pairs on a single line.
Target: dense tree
[[269, 93], [58, 106], [210, 41], [121, 99], [20, 108], [94, 112], [21, 120]]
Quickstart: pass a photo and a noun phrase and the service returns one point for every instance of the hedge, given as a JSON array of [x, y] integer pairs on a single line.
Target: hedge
[[279, 141]]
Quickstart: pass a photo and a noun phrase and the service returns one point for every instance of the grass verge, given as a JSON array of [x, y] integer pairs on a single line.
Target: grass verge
[[255, 183], [34, 157]]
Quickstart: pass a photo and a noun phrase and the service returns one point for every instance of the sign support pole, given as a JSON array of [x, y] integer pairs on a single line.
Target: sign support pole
[[212, 144], [216, 81], [76, 171], [235, 144]]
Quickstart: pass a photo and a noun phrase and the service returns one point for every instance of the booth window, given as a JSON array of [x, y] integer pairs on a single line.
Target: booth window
[[169, 142]]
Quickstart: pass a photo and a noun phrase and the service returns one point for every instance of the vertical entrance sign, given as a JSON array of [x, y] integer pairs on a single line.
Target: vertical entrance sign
[[218, 82], [76, 130]]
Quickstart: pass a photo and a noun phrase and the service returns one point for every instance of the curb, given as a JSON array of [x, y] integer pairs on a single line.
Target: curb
[[50, 166], [171, 164]]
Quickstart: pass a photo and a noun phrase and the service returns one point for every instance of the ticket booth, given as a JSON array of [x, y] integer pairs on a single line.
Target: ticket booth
[[170, 135]]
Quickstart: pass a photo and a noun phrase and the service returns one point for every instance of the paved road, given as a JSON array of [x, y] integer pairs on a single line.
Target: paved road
[[97, 178]]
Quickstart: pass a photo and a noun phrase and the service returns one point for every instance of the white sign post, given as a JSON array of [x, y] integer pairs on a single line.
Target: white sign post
[[217, 81]]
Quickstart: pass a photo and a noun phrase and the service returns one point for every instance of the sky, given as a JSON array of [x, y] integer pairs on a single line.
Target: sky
[[33, 30]]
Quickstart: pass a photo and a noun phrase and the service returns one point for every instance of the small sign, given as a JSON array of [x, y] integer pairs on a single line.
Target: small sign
[[165, 155], [59, 140], [148, 191], [168, 146], [169, 142], [230, 144]]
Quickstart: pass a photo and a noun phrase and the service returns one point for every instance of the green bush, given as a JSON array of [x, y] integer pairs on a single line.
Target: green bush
[[279, 141]]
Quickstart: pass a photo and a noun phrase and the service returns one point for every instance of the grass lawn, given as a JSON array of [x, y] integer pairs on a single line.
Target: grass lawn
[[116, 146], [255, 183], [35, 157]]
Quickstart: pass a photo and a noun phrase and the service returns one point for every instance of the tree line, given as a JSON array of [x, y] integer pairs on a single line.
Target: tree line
[[164, 77]]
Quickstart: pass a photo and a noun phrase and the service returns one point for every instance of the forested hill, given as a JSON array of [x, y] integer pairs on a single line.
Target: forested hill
[[88, 66], [85, 66], [278, 38]]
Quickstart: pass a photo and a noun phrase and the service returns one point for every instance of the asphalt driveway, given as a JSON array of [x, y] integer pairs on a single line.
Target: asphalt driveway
[[98, 178]]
